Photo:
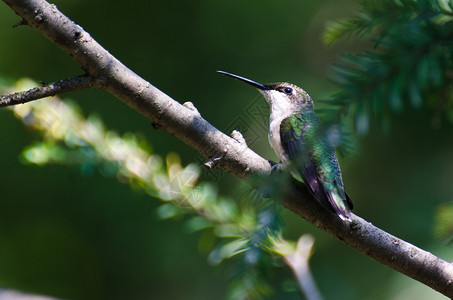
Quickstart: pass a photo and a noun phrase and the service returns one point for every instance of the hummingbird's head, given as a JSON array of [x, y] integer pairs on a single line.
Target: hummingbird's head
[[282, 96], [286, 94]]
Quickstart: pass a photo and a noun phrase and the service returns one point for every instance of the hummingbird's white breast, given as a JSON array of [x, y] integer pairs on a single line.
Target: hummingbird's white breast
[[281, 108]]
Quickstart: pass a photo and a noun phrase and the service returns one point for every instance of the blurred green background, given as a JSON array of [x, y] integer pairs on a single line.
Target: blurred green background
[[88, 237]]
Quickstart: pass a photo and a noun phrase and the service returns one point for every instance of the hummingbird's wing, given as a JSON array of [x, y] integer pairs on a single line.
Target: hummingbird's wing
[[316, 161]]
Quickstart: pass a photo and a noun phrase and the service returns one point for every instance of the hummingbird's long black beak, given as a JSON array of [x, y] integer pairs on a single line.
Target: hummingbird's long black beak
[[246, 80]]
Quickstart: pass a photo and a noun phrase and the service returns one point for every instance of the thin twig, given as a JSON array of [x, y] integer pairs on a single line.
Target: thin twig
[[55, 88], [298, 262]]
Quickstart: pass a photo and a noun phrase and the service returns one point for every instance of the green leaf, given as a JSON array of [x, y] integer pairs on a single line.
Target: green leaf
[[227, 250], [198, 223], [169, 210]]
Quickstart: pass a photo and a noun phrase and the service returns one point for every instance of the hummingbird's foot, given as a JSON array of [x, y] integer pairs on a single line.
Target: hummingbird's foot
[[268, 186], [275, 167]]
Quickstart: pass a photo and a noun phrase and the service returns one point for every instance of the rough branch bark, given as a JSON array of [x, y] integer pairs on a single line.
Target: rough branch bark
[[184, 122]]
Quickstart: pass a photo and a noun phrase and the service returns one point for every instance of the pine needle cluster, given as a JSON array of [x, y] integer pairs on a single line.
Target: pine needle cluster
[[410, 64]]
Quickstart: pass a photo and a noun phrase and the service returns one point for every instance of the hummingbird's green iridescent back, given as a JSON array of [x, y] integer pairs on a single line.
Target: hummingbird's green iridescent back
[[315, 160]]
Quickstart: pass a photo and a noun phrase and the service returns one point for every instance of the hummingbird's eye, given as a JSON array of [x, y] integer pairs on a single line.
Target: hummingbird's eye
[[288, 90]]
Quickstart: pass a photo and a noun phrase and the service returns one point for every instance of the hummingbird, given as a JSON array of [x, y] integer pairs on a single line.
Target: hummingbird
[[294, 134]]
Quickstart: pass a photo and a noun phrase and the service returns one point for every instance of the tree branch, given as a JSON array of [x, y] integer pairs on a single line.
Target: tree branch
[[55, 88], [180, 121], [185, 123], [375, 243]]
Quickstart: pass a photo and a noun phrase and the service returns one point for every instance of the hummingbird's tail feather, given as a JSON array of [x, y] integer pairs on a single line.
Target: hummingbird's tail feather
[[331, 199], [340, 205]]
